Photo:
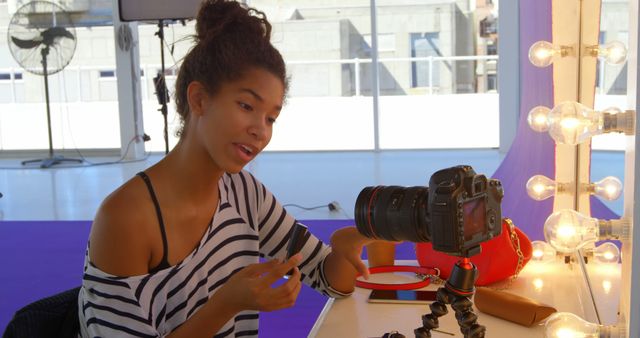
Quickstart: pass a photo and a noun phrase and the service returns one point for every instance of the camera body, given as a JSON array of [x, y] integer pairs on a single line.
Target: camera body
[[459, 210], [464, 210]]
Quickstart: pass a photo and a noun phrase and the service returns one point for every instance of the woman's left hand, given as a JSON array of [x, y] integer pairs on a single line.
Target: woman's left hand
[[348, 243]]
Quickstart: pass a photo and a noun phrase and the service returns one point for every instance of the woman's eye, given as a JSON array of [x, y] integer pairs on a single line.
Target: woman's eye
[[245, 106], [271, 120]]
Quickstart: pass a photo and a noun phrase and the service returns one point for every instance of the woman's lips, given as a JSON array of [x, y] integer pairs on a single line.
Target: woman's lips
[[246, 153]]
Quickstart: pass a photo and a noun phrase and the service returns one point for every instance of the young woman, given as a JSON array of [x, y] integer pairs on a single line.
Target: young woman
[[175, 250]]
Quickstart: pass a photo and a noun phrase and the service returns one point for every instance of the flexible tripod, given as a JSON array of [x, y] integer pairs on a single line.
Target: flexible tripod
[[457, 291]]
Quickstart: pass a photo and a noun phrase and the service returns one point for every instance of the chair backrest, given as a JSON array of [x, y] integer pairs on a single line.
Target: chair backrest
[[54, 316]]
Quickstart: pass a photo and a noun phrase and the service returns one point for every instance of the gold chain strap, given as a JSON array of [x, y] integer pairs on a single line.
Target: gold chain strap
[[515, 240]]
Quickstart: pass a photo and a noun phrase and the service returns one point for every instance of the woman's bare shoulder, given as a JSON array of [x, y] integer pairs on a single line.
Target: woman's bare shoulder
[[120, 233]]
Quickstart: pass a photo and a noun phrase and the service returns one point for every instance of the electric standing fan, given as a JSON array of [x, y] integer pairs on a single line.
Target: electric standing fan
[[42, 40]]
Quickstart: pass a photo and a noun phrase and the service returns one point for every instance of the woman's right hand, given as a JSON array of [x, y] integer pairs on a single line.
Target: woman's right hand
[[251, 288]]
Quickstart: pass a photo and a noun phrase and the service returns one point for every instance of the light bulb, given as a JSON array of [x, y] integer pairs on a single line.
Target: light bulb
[[607, 253], [573, 123], [540, 187], [538, 284], [567, 230], [543, 53], [542, 251], [608, 188], [568, 325], [537, 118], [614, 52]]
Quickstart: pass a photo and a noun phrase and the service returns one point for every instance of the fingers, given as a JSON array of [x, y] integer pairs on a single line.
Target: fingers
[[281, 269], [254, 270], [257, 281], [285, 295], [359, 266]]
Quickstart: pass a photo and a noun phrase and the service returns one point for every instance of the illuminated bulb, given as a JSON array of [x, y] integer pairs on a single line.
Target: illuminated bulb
[[608, 188], [540, 187], [542, 251], [568, 325], [567, 230], [614, 52], [573, 123], [607, 253], [538, 284], [543, 53], [537, 118]]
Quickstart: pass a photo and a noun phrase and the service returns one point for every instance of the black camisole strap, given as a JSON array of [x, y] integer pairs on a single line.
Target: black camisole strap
[[164, 263]]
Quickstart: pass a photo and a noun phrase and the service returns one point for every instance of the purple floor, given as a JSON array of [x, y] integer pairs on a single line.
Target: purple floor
[[42, 258]]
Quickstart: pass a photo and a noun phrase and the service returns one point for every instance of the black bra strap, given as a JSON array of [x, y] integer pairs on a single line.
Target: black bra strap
[[164, 263]]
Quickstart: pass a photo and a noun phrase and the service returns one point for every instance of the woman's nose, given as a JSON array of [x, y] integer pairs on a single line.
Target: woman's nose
[[258, 130]]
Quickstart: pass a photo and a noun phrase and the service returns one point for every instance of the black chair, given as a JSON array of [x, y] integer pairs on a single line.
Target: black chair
[[54, 316]]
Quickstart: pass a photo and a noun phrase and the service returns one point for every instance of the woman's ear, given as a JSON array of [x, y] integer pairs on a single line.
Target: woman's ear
[[196, 96]]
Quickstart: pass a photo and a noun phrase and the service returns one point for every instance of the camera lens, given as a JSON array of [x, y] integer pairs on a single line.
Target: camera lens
[[393, 213]]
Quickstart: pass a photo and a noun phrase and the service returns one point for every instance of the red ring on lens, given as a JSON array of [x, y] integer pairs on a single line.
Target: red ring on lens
[[371, 201]]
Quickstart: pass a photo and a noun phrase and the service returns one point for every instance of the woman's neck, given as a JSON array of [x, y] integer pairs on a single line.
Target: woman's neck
[[189, 170]]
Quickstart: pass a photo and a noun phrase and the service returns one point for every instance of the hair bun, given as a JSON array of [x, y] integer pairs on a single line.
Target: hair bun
[[215, 16]]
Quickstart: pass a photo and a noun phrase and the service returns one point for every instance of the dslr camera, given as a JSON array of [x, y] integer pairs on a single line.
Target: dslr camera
[[456, 212]]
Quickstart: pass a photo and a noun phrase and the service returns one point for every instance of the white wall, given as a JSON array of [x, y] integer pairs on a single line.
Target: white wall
[[314, 123], [306, 123]]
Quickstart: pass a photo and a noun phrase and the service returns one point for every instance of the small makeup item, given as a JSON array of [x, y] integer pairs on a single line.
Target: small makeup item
[[296, 241]]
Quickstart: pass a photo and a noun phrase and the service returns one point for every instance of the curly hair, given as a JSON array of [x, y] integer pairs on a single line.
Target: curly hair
[[230, 39]]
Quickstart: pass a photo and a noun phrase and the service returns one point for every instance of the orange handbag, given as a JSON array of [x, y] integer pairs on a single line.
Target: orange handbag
[[501, 257]]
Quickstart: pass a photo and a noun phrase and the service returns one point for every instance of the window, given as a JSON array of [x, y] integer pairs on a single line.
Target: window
[[488, 26], [7, 76], [492, 82], [492, 48], [107, 73], [425, 45]]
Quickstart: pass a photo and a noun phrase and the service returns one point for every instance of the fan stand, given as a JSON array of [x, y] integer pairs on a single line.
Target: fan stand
[[57, 159]]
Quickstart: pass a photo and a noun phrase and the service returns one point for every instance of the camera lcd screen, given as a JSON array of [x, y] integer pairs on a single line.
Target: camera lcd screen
[[474, 218]]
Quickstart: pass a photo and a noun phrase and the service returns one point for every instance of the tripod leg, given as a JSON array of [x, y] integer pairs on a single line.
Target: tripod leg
[[467, 319], [438, 309], [47, 163], [32, 161]]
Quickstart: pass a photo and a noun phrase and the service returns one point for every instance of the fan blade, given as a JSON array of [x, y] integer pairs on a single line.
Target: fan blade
[[25, 44], [56, 32]]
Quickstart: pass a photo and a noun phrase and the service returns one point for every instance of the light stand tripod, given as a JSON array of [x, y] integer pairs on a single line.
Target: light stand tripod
[[161, 87], [51, 160], [457, 291]]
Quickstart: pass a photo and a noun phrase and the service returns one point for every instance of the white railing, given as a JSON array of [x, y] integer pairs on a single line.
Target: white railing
[[80, 72], [150, 70], [430, 59], [86, 121]]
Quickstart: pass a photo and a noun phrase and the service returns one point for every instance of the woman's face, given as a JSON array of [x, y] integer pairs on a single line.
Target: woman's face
[[236, 123]]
